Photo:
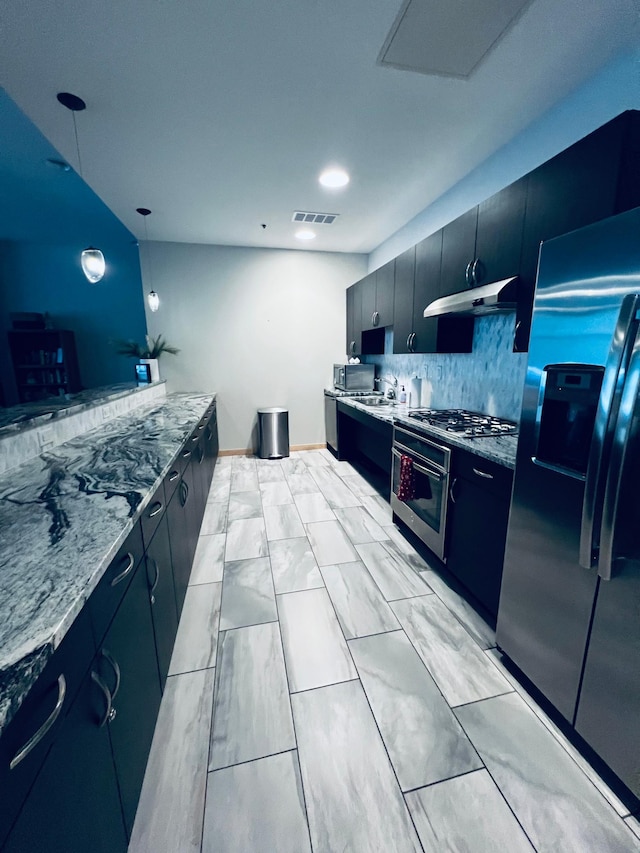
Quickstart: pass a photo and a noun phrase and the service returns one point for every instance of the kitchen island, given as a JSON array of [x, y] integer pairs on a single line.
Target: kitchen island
[[69, 520]]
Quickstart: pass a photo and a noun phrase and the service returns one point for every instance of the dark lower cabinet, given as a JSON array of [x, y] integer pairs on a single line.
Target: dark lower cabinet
[[76, 788], [480, 493], [74, 806], [181, 534], [162, 597], [31, 733], [126, 663], [366, 441]]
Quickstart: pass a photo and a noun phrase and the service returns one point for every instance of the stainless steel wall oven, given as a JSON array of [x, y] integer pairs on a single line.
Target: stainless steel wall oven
[[424, 508]]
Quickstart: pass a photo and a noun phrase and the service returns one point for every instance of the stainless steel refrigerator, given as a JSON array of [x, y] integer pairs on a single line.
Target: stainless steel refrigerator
[[569, 613]]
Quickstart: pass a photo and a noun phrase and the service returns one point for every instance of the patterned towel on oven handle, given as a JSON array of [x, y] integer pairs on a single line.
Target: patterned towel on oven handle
[[407, 485]]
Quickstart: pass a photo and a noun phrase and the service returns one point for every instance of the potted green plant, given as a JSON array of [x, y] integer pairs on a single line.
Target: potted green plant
[[147, 354]]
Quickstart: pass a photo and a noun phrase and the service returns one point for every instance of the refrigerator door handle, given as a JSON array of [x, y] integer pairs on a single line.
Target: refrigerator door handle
[[617, 464], [606, 417]]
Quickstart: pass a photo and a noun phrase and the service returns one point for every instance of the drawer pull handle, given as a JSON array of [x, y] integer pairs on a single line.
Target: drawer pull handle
[[158, 508], [484, 474], [186, 454], [110, 711], [35, 739], [195, 438], [116, 671], [173, 476], [123, 574]]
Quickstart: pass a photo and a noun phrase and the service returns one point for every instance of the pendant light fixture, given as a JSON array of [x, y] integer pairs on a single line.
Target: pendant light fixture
[[153, 300], [91, 259]]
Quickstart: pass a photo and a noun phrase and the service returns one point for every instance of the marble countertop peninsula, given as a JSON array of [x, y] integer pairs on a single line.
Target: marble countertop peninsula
[[63, 517], [27, 415], [500, 449]]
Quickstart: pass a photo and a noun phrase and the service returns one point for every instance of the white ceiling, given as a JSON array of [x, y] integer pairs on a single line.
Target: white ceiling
[[219, 116]]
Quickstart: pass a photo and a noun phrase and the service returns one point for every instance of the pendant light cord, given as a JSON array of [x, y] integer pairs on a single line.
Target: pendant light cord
[[75, 130], [146, 240]]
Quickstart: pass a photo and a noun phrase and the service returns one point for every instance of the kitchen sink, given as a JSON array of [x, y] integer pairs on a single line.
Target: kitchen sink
[[376, 401]]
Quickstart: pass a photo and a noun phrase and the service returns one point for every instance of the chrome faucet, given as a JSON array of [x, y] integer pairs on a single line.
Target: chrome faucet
[[393, 386]]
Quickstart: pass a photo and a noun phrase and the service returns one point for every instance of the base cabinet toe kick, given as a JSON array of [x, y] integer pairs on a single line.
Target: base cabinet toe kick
[[72, 759]]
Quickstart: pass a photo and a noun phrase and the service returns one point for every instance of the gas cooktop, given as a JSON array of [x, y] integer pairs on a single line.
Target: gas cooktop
[[465, 423]]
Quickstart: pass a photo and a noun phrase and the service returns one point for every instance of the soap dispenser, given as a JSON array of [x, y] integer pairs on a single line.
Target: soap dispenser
[[403, 395]]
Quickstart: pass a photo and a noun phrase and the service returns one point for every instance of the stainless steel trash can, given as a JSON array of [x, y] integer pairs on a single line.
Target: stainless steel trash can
[[273, 426]]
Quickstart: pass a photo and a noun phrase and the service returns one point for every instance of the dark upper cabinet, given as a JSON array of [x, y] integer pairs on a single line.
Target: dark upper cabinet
[[385, 283], [426, 289], [499, 238], [595, 178], [367, 287], [499, 235], [403, 300], [376, 291], [354, 320], [416, 283], [458, 252]]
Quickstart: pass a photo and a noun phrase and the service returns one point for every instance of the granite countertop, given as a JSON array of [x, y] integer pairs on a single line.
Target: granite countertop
[[500, 449], [63, 517], [17, 418]]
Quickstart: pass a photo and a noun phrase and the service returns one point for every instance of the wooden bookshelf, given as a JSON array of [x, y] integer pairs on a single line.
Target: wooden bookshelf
[[45, 363]]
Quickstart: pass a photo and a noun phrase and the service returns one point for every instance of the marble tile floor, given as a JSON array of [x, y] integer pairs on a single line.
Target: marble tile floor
[[330, 691]]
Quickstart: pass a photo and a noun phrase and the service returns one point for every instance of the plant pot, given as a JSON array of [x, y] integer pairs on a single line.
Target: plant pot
[[154, 368]]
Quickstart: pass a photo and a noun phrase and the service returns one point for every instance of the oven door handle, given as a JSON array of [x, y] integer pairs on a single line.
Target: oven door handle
[[430, 472], [406, 451]]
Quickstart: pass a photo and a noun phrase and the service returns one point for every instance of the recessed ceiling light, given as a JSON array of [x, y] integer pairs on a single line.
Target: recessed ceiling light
[[305, 234], [334, 178]]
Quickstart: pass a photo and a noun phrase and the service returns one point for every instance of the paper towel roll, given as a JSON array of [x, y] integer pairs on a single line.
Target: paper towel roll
[[415, 392]]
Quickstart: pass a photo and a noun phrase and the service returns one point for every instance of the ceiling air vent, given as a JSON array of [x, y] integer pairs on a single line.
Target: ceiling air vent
[[316, 218]]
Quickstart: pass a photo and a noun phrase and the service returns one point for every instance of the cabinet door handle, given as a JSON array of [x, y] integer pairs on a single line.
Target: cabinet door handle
[[408, 339], [35, 739], [451, 488], [474, 272], [127, 570], [110, 711], [516, 347], [155, 582], [158, 508], [352, 346], [412, 340], [184, 493], [484, 474], [173, 476], [116, 671], [466, 274]]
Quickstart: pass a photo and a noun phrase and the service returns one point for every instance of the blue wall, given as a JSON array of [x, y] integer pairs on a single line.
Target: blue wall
[[47, 217], [615, 89]]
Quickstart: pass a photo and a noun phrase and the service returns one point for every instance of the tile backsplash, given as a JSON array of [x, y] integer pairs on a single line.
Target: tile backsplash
[[490, 379]]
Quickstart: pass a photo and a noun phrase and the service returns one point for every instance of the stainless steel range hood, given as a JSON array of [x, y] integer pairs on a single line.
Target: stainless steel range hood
[[499, 296]]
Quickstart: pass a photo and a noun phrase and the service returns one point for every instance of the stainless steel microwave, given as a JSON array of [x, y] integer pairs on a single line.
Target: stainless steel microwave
[[353, 377]]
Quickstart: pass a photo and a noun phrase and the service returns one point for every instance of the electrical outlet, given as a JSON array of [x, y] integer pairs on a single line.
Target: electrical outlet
[[45, 438]]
